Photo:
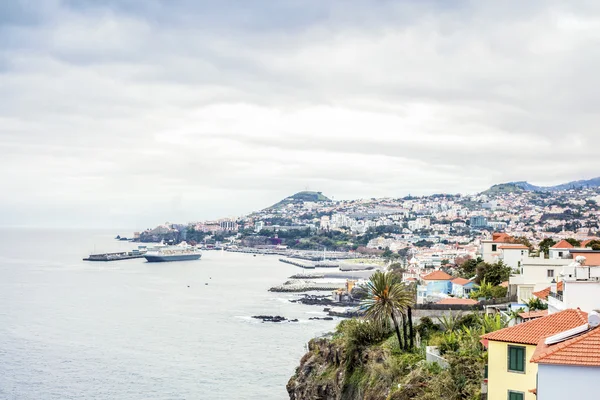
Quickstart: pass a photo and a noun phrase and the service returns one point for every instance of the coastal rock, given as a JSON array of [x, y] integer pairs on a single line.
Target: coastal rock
[[271, 318], [327, 373], [322, 318]]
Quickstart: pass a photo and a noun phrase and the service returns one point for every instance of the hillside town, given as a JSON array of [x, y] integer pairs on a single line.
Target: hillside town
[[530, 257]]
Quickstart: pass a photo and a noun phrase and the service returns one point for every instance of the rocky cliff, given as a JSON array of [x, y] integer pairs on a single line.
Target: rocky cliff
[[335, 369], [327, 373]]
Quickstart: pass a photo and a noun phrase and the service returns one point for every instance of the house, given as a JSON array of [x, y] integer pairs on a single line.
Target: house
[[510, 374], [581, 288], [435, 285], [560, 250], [535, 274], [568, 364], [489, 248], [462, 287], [513, 254]]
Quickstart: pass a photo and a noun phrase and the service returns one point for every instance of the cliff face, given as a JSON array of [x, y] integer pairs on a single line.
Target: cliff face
[[320, 374], [323, 374], [333, 371]]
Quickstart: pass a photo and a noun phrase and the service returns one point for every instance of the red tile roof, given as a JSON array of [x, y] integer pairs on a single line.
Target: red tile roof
[[501, 237], [532, 331], [563, 244], [461, 281], [585, 242], [543, 294], [514, 247], [533, 314], [437, 276], [457, 301], [582, 350]]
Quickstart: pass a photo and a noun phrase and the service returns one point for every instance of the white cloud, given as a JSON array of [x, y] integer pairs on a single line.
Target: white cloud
[[135, 113]]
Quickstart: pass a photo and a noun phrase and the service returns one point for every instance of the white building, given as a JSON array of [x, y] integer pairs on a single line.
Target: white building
[[569, 363], [560, 250], [258, 226], [581, 288], [536, 273], [513, 255]]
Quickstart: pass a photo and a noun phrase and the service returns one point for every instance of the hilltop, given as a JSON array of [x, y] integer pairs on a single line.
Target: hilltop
[[300, 197], [522, 186]]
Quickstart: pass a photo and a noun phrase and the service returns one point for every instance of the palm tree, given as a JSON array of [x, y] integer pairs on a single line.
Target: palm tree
[[386, 298]]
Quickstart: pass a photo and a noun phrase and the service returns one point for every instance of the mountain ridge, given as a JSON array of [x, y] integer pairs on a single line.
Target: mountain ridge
[[521, 186]]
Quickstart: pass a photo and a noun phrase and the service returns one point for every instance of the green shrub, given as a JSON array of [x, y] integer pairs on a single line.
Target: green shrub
[[426, 328]]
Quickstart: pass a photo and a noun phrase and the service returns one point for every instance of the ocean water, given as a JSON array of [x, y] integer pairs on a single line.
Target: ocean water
[[71, 329]]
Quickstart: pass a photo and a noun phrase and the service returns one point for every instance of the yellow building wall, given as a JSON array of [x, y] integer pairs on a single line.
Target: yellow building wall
[[500, 380]]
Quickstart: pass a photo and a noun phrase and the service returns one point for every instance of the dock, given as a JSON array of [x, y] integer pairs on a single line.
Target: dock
[[125, 255], [297, 263]]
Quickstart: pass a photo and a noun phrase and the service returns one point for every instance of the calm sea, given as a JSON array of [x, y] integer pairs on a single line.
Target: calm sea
[[71, 329]]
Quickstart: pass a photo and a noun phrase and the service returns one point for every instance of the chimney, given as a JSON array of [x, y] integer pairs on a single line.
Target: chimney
[[553, 286]]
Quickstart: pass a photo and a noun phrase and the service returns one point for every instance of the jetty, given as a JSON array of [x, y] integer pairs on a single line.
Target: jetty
[[297, 263], [123, 255], [306, 286]]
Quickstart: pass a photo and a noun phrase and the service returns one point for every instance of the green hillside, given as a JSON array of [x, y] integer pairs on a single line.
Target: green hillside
[[504, 188], [302, 197]]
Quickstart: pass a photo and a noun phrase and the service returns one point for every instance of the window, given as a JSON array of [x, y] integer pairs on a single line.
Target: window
[[560, 253], [494, 247], [550, 273], [516, 359], [515, 395]]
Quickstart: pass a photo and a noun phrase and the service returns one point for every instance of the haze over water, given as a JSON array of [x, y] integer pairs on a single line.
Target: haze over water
[[71, 329]]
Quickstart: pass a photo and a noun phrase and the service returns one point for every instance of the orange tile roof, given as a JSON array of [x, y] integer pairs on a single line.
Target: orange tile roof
[[501, 237], [514, 247], [543, 294], [563, 244], [437, 276], [585, 242], [532, 331], [582, 350], [456, 301], [533, 314], [461, 281]]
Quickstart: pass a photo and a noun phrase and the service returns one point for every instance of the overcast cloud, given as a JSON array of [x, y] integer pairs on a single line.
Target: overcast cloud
[[141, 111]]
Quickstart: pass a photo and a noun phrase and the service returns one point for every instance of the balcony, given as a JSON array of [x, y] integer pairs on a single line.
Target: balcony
[[558, 295], [555, 302]]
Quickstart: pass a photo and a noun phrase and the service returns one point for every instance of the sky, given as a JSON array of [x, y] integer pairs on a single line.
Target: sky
[[130, 113]]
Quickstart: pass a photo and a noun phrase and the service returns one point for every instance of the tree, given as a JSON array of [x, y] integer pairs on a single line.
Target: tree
[[545, 245], [386, 298], [536, 304], [468, 269], [522, 240], [387, 253], [594, 244], [489, 291], [573, 242], [495, 273]]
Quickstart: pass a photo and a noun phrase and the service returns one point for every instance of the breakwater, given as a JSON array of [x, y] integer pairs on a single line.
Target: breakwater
[[298, 285], [297, 263]]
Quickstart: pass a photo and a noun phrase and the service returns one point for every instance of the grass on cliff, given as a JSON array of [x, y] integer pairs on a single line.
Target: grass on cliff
[[376, 368]]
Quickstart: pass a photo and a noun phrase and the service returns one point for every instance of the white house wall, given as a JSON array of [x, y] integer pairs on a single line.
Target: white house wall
[[558, 382]]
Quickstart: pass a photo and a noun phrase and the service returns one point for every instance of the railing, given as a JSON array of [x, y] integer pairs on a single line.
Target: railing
[[557, 295]]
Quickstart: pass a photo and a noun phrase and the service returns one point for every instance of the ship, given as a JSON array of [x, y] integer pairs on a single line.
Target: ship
[[180, 252]]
